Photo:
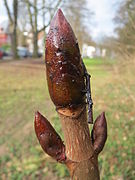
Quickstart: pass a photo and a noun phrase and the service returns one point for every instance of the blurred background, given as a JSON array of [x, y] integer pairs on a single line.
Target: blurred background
[[106, 34]]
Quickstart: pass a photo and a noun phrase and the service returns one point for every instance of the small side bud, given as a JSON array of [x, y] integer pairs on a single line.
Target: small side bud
[[48, 138], [99, 133]]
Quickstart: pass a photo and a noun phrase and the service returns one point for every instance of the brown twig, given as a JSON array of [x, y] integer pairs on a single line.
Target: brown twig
[[66, 83]]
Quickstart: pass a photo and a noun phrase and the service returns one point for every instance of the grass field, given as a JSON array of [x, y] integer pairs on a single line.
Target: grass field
[[23, 90]]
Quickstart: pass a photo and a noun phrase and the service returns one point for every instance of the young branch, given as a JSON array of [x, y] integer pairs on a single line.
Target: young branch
[[66, 83], [8, 12], [30, 13]]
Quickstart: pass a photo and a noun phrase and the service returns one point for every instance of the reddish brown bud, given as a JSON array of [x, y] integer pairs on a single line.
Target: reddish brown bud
[[49, 139], [99, 133], [65, 73]]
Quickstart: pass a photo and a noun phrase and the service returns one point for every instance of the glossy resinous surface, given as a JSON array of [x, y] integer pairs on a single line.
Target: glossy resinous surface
[[64, 68]]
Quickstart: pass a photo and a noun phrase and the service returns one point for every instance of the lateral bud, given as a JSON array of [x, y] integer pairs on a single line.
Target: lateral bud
[[48, 138], [99, 133]]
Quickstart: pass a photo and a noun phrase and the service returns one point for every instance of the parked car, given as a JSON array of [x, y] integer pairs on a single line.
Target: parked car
[[1, 53], [23, 52], [40, 54]]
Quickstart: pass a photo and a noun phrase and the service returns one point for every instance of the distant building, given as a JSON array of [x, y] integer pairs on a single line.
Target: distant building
[[88, 51], [41, 42], [103, 53], [5, 37], [91, 51]]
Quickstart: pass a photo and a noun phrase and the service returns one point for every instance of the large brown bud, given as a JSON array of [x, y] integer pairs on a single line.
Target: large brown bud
[[65, 74]]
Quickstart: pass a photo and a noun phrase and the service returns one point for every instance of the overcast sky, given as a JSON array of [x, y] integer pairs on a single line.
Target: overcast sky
[[104, 11]]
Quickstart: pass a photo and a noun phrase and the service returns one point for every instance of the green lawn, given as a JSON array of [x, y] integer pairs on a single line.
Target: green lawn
[[23, 90]]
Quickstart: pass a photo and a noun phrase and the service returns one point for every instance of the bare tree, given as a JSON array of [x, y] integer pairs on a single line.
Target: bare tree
[[79, 16], [123, 44], [13, 24], [23, 24], [40, 9], [125, 20]]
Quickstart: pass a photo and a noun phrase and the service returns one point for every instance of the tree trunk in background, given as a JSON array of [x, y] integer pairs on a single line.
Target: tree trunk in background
[[13, 25], [34, 9], [35, 43], [35, 33], [33, 23], [15, 7]]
